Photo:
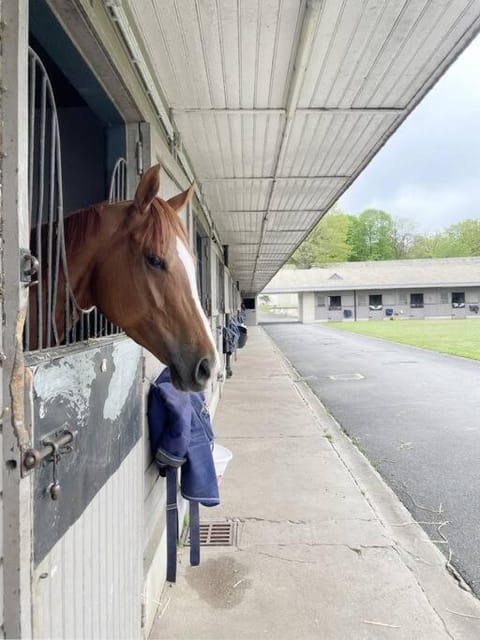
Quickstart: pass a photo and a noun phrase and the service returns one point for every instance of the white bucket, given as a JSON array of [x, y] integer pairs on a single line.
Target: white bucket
[[221, 458]]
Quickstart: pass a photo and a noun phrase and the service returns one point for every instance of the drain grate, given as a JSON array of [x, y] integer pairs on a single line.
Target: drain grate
[[347, 376], [216, 533]]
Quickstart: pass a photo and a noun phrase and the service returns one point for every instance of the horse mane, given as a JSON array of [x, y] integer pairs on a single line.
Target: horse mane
[[161, 227], [79, 226]]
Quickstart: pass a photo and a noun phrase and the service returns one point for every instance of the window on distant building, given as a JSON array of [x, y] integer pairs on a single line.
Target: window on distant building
[[375, 301], [458, 299], [416, 300], [335, 302]]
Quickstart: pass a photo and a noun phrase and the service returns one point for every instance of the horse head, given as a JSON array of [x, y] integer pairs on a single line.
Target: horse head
[[144, 280]]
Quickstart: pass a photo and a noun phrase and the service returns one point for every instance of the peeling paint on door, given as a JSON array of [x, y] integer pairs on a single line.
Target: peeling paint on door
[[126, 365]]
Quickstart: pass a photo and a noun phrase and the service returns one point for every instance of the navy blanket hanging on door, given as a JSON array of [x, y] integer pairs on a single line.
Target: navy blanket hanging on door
[[181, 435]]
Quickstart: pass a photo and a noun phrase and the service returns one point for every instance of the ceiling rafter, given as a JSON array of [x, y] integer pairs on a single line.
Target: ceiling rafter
[[302, 57], [267, 178], [282, 111]]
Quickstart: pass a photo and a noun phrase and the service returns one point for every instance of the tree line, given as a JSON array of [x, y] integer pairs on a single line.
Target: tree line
[[376, 235]]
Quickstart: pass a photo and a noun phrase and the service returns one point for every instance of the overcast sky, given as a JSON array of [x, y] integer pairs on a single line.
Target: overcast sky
[[429, 170]]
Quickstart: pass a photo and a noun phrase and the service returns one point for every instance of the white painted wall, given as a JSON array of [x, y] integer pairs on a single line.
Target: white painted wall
[[307, 306], [95, 569]]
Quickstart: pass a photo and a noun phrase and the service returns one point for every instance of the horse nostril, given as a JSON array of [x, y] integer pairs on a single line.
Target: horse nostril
[[202, 372]]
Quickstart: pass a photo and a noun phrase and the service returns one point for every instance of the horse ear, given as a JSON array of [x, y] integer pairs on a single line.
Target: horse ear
[[178, 202], [147, 188]]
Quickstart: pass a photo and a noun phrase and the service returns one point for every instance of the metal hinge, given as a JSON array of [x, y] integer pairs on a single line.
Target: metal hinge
[[139, 157]]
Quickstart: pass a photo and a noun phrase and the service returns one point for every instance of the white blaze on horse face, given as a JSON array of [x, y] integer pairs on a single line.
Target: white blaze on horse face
[[187, 260]]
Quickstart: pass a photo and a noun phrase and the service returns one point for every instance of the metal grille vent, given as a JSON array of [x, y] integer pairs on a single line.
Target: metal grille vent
[[215, 534]]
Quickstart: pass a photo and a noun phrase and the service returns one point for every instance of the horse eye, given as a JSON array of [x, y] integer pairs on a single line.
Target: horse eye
[[156, 262]]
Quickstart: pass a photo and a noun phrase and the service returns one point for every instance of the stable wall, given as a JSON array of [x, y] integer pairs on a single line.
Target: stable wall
[[154, 496], [148, 539], [316, 307]]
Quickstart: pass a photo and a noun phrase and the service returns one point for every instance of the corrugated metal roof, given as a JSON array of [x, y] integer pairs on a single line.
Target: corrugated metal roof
[[379, 275], [281, 103]]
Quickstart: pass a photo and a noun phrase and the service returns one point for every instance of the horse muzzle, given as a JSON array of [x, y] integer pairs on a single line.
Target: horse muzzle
[[192, 378]]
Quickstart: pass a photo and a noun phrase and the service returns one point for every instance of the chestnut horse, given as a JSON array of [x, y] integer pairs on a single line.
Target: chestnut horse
[[131, 260]]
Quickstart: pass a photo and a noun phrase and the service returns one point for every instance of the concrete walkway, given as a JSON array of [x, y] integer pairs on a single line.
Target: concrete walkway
[[325, 550]]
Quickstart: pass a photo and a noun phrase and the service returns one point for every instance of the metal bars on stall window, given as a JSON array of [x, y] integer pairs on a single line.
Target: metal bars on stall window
[[47, 242]]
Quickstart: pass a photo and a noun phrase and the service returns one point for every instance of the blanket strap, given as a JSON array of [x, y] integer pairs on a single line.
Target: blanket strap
[[172, 524], [172, 527], [194, 534]]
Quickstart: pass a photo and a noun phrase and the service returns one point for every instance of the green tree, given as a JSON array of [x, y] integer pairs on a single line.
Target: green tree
[[371, 236], [465, 237], [332, 237], [459, 240], [304, 256], [403, 237], [423, 247], [327, 242], [375, 235]]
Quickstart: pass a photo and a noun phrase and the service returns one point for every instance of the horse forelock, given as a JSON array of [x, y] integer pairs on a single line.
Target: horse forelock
[[160, 229]]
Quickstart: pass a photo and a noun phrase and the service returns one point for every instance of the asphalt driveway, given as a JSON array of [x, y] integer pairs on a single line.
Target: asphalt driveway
[[415, 415]]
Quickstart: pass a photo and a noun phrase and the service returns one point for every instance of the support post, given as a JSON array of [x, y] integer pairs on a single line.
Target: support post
[[17, 506]]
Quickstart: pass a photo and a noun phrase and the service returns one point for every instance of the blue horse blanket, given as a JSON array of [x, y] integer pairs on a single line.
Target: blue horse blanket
[[181, 435]]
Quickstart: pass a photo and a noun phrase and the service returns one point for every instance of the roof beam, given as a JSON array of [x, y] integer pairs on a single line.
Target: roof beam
[[282, 111], [232, 178], [303, 54], [269, 231], [264, 211]]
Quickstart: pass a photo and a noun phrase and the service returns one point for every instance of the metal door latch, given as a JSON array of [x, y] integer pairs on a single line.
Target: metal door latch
[[29, 266], [54, 447]]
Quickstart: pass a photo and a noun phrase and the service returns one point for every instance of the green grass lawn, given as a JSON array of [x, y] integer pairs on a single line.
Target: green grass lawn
[[459, 337]]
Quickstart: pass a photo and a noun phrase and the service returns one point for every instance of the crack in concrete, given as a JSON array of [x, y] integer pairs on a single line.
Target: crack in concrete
[[273, 436], [357, 550], [257, 519], [432, 606], [396, 546], [244, 519]]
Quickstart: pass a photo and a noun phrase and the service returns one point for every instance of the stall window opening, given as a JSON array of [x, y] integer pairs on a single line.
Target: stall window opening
[[375, 301], [335, 303], [458, 299], [416, 300]]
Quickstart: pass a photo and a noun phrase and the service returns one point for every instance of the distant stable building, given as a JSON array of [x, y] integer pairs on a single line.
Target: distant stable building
[[427, 288]]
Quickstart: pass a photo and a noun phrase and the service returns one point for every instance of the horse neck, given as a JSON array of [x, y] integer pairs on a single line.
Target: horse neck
[[85, 233]]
